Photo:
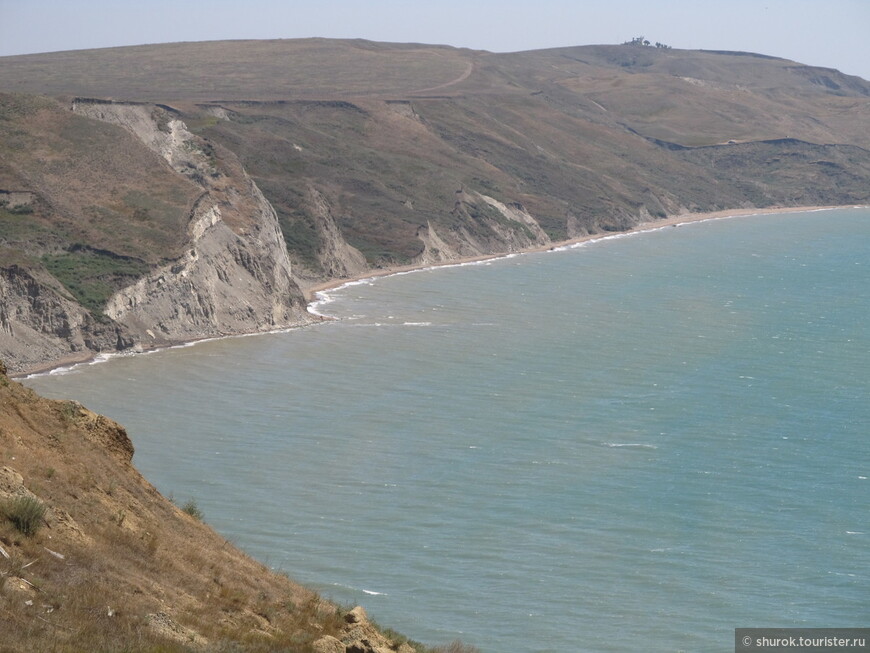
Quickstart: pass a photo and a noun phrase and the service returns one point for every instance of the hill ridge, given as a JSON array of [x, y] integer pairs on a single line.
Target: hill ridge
[[362, 156]]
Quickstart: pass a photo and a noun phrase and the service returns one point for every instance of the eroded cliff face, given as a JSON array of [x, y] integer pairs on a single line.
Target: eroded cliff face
[[39, 322], [234, 275], [501, 228], [337, 258]]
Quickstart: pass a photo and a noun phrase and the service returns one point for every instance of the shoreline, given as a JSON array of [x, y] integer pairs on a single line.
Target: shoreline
[[310, 293]]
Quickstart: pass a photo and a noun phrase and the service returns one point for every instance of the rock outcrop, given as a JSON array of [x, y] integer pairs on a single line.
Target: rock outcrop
[[336, 257], [499, 228], [40, 322], [359, 636], [233, 274]]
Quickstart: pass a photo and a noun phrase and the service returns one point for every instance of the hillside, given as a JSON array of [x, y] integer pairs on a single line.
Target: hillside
[[362, 155], [93, 558]]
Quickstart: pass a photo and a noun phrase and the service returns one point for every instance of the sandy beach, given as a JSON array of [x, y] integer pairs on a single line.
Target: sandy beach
[[311, 291], [673, 221]]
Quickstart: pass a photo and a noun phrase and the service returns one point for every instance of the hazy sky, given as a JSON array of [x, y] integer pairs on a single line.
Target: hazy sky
[[832, 33]]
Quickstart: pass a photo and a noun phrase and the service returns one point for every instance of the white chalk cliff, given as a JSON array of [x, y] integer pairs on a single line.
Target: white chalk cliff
[[234, 275]]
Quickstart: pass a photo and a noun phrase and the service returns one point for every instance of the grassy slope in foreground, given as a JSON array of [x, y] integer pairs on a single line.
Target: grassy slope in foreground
[[113, 565]]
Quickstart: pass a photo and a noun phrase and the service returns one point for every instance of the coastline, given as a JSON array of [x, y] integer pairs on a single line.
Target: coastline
[[310, 292]]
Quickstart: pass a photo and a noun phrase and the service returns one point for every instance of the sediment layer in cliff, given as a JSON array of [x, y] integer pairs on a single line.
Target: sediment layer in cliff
[[173, 242], [175, 211]]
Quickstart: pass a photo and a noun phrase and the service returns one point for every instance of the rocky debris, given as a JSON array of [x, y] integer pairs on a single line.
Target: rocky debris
[[163, 624], [103, 431], [360, 636], [12, 483], [328, 644]]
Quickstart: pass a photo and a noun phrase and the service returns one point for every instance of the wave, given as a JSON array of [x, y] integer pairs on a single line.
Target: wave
[[324, 297], [63, 370], [136, 351], [359, 589], [629, 445]]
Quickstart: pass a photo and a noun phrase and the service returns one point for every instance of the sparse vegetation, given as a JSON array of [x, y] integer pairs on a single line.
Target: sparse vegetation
[[93, 276], [642, 41], [122, 570], [25, 512], [590, 141], [69, 410], [456, 646], [192, 508]]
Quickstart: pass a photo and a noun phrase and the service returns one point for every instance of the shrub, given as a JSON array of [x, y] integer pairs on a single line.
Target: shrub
[[25, 513], [193, 510]]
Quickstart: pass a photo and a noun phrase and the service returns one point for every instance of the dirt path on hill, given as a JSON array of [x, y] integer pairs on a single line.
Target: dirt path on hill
[[461, 78]]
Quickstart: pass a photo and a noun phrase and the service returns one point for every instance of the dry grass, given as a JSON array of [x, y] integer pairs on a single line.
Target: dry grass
[[95, 184], [233, 70], [25, 512], [115, 566], [587, 139]]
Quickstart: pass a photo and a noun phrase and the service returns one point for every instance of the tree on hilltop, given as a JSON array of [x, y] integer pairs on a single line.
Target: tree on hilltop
[[643, 42], [637, 40]]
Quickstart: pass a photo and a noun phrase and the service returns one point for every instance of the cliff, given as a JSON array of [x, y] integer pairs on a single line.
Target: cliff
[[202, 256], [93, 558], [174, 212], [234, 274]]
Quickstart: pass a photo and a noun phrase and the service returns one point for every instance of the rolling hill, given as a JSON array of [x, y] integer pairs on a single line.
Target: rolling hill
[[372, 155], [157, 194]]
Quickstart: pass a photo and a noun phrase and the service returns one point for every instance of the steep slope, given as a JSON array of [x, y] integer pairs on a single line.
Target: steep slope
[[121, 229], [369, 155], [234, 274], [93, 558], [581, 139]]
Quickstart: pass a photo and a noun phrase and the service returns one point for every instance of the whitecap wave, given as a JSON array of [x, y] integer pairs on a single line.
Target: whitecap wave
[[359, 589], [629, 445], [68, 369]]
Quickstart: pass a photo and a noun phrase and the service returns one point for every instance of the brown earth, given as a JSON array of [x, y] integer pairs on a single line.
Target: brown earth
[[114, 565], [344, 158]]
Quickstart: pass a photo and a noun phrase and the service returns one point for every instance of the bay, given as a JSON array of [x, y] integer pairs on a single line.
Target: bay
[[640, 443]]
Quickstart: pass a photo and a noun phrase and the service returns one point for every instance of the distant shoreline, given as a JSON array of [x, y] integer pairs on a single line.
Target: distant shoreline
[[653, 225], [310, 292]]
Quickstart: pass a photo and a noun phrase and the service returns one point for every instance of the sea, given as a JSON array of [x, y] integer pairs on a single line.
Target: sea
[[638, 443]]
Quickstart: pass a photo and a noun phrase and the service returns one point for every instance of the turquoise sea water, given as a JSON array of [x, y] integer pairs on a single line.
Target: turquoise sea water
[[638, 444]]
